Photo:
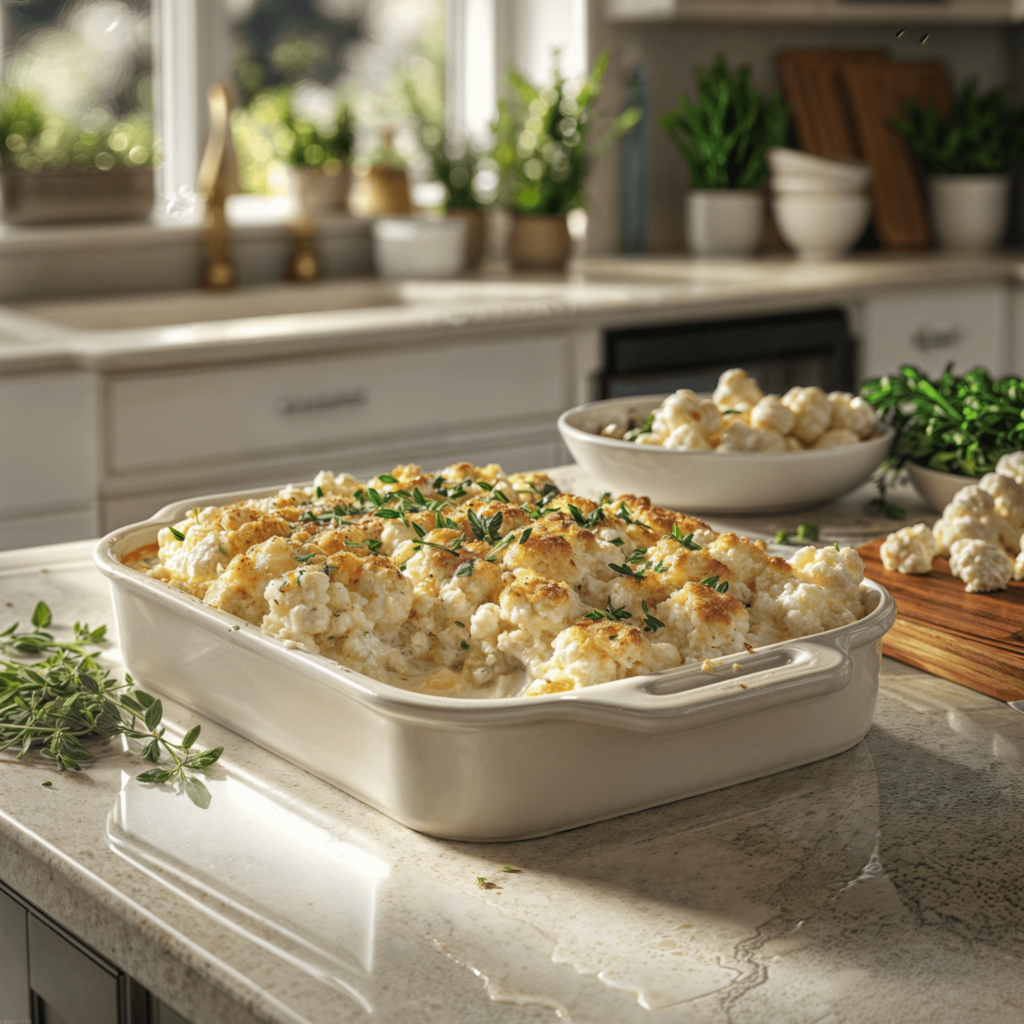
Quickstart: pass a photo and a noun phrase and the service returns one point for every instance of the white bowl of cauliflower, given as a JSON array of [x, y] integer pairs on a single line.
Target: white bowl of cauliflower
[[735, 451]]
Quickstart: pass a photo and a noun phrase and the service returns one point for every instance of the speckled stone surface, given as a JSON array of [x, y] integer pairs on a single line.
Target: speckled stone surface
[[593, 293], [884, 884]]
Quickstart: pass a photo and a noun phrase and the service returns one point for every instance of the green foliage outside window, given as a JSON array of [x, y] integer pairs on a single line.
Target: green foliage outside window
[[33, 139]]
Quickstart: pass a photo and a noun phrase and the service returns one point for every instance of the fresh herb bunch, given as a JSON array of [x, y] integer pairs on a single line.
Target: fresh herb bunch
[[724, 135], [956, 424], [32, 139], [981, 135], [455, 166], [542, 140], [69, 696]]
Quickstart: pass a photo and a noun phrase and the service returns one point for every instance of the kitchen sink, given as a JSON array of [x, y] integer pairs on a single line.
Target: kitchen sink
[[128, 312]]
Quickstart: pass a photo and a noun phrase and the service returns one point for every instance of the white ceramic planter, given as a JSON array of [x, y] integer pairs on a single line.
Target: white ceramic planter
[[316, 191], [723, 222], [970, 212]]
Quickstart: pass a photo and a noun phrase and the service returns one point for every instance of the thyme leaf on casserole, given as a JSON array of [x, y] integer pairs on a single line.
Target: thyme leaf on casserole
[[688, 542], [611, 612], [68, 696]]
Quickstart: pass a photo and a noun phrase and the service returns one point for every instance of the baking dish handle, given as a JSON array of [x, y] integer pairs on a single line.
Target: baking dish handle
[[694, 696]]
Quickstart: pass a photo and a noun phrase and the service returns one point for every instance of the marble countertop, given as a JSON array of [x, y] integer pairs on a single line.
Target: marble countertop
[[107, 333], [882, 884]]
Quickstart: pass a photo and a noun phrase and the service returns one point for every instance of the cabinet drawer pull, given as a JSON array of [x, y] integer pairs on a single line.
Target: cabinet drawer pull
[[928, 338], [321, 403]]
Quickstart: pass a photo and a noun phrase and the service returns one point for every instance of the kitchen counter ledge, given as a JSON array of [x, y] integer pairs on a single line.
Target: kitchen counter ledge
[[596, 293], [878, 885]]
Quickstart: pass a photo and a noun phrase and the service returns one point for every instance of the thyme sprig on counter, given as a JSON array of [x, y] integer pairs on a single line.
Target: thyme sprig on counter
[[69, 696]]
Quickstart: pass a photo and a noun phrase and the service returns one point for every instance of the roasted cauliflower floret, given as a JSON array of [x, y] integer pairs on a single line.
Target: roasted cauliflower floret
[[852, 413], [771, 414], [839, 574], [738, 437], [703, 623], [909, 550], [597, 651], [813, 413], [836, 437], [240, 588], [686, 409], [736, 391], [746, 559], [687, 436], [982, 566]]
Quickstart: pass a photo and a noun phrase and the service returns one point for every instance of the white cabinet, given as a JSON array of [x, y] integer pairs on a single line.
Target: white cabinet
[[48, 457], [930, 327]]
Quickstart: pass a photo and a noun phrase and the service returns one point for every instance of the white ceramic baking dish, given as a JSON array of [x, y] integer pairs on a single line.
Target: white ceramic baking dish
[[494, 770]]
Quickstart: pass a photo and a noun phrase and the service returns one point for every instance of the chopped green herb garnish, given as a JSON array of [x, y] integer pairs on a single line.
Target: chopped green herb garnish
[[687, 541], [464, 645], [319, 491], [807, 531], [466, 569], [386, 478], [712, 583], [644, 428], [651, 624], [304, 558], [626, 570], [617, 541], [611, 612], [47, 783], [176, 534]]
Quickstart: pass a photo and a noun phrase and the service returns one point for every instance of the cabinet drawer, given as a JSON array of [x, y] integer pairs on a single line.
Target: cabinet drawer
[[47, 441], [249, 411], [34, 530], [928, 328]]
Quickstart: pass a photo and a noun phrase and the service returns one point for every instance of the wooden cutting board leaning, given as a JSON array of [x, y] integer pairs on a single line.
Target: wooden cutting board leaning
[[976, 640], [842, 103]]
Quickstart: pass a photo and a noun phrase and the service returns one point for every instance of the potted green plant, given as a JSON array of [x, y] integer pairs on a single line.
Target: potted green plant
[[455, 166], [542, 149], [967, 157], [57, 171], [723, 138]]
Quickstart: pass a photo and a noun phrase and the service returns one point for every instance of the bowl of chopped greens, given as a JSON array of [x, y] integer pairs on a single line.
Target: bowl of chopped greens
[[951, 430], [712, 481]]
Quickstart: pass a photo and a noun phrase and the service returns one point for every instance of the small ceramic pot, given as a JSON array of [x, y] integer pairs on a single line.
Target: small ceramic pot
[[539, 242], [69, 196], [385, 190], [318, 190], [723, 222], [476, 233], [970, 212]]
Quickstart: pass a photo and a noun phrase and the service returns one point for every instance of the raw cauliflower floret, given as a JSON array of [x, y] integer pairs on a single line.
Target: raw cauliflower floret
[[686, 436], [813, 413], [685, 408], [1012, 464], [982, 566], [1008, 496], [771, 414], [703, 623], [853, 413], [597, 651], [971, 500], [836, 437], [737, 391], [948, 531], [738, 437], [909, 550]]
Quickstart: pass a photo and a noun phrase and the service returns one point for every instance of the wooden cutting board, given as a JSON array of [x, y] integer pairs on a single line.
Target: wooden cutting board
[[901, 216], [811, 83], [973, 639]]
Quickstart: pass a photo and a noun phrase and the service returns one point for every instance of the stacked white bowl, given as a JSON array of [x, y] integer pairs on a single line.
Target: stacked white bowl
[[821, 207]]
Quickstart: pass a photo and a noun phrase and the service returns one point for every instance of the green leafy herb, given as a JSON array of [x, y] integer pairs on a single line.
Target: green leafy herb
[[626, 570], [712, 583], [386, 478], [837, 545], [47, 783], [952, 424], [611, 612], [807, 531], [980, 135], [724, 135], [466, 569], [69, 696], [319, 491], [304, 558], [588, 521], [651, 624], [176, 534], [687, 541], [645, 428], [617, 541], [464, 645]]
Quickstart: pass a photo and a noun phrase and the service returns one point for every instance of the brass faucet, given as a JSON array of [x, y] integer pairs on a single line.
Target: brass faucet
[[217, 179]]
